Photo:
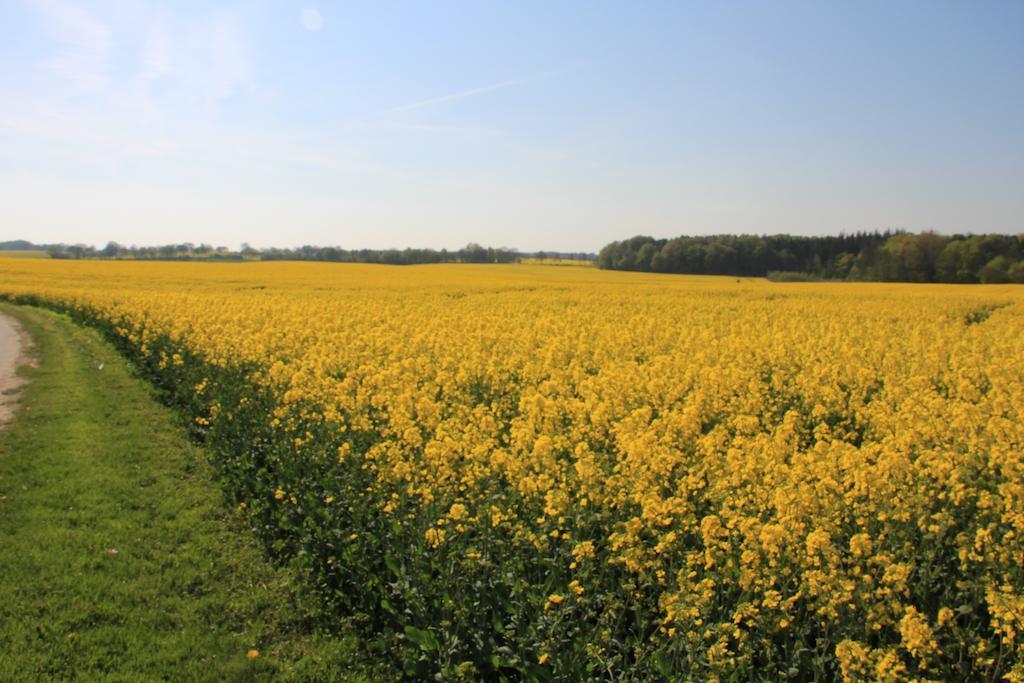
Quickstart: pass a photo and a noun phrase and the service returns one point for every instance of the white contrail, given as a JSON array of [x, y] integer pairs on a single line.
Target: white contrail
[[477, 91]]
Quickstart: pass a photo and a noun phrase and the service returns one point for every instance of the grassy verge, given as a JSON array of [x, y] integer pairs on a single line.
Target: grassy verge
[[119, 560]]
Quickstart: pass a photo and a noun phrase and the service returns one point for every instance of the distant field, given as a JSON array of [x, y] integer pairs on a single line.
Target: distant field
[[24, 253], [574, 474], [555, 262]]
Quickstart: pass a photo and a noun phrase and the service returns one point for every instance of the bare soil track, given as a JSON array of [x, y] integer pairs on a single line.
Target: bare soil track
[[14, 346]]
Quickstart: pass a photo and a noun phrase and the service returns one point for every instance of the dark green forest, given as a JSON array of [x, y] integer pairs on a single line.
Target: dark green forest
[[881, 256]]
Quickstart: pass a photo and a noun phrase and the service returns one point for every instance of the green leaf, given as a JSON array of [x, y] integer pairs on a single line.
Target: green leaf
[[422, 637], [662, 664]]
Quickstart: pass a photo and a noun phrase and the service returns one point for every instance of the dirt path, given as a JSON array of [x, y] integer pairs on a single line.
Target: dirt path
[[13, 346]]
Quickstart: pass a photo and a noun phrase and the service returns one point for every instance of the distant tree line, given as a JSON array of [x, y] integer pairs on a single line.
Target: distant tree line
[[24, 245], [187, 251], [471, 253], [883, 256]]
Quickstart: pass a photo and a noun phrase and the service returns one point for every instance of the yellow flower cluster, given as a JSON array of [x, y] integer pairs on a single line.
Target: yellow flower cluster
[[754, 457]]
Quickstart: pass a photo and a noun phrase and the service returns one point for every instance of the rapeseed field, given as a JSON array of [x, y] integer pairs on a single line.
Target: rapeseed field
[[564, 473]]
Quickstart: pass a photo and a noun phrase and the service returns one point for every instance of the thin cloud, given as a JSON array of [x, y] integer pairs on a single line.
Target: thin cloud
[[155, 56], [501, 85], [84, 43], [434, 128]]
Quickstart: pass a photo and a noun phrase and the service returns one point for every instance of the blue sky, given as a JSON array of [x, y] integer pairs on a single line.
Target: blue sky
[[555, 125]]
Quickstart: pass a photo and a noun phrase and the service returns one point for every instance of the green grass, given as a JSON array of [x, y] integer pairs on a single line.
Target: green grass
[[24, 253], [92, 464]]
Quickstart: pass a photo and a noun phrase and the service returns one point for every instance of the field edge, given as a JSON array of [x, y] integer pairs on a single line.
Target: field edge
[[91, 460]]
